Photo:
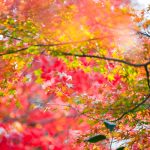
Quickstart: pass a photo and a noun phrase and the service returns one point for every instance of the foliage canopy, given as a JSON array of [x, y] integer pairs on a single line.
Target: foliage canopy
[[74, 74]]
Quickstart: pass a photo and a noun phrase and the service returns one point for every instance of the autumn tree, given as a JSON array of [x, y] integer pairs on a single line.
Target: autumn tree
[[74, 74]]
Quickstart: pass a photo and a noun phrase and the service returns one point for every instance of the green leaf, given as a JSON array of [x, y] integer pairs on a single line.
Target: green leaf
[[12, 91], [92, 122], [95, 138], [1, 94], [11, 21], [109, 125], [120, 148], [18, 104], [38, 72], [111, 77]]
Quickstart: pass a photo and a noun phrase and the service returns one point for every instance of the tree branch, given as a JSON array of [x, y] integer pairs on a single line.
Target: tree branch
[[105, 58], [145, 65], [48, 45], [77, 55], [13, 37], [131, 110], [147, 75]]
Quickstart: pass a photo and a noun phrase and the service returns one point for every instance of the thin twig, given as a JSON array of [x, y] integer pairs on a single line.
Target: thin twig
[[13, 37], [111, 142]]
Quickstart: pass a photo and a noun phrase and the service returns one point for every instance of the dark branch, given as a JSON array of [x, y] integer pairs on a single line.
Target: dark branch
[[148, 76], [48, 45], [145, 65], [14, 52], [78, 55], [105, 58], [131, 110], [13, 37]]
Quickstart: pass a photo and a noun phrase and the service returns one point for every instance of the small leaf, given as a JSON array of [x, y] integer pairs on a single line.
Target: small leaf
[[1, 94], [95, 138], [12, 91], [109, 125], [18, 104], [38, 72], [120, 148], [111, 77]]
